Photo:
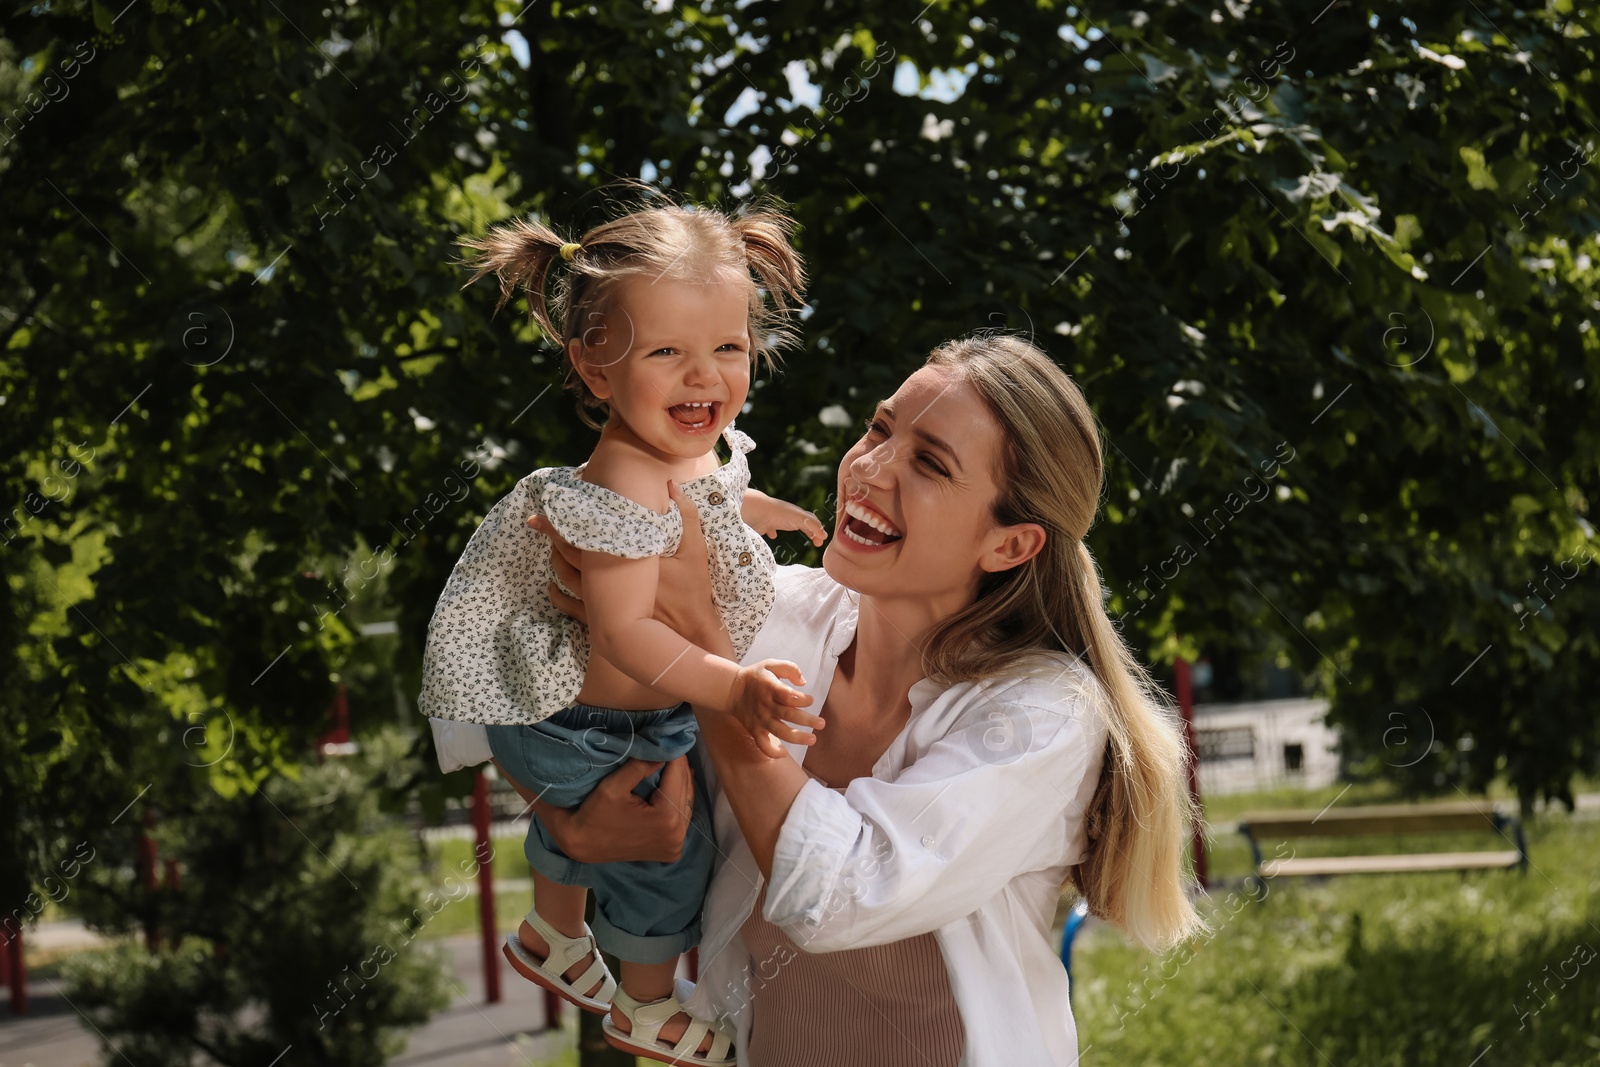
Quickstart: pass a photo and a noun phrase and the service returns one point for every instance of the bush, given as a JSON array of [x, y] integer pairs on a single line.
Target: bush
[[292, 927]]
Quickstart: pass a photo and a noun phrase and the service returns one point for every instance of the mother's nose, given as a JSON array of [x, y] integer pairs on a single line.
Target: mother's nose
[[872, 466]]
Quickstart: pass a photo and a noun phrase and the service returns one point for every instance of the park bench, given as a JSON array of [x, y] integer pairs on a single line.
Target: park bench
[[1393, 819], [1460, 816]]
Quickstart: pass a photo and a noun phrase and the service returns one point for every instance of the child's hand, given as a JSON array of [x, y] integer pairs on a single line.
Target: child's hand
[[768, 515], [765, 705]]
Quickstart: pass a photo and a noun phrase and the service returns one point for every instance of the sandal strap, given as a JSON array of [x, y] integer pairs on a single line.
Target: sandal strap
[[597, 972], [564, 950], [693, 1034], [648, 1017], [652, 1014], [696, 1032]]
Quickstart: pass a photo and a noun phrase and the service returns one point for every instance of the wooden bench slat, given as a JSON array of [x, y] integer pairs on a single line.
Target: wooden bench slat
[[1372, 819], [1395, 864]]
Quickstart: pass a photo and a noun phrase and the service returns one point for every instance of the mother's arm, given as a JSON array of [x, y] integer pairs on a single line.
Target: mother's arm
[[894, 859]]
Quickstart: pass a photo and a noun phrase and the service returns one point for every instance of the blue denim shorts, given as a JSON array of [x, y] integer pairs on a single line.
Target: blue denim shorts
[[645, 911]]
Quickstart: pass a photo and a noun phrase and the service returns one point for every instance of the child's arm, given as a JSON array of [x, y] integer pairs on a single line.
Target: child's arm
[[769, 515], [620, 597]]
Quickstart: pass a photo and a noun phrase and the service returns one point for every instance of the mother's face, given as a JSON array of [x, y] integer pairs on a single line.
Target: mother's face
[[916, 494]]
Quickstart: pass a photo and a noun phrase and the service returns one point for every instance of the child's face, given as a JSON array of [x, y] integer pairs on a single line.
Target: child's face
[[672, 361]]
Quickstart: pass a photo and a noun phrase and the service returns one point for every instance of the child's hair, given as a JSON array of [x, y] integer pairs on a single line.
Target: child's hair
[[1052, 473], [750, 247]]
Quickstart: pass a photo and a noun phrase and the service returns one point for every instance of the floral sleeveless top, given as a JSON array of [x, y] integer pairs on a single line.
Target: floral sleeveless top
[[500, 652]]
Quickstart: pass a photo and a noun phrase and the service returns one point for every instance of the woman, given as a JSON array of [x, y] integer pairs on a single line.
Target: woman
[[884, 892]]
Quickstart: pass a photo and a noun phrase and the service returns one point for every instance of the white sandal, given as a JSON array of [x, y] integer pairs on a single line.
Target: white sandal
[[647, 1020], [564, 952]]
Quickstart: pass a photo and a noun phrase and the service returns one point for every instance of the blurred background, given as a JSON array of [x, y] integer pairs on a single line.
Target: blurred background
[[1326, 270]]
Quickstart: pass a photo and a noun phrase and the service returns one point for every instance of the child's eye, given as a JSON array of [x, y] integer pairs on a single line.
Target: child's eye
[[667, 351], [733, 346]]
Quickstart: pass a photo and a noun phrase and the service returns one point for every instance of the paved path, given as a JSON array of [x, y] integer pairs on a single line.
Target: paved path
[[469, 1033]]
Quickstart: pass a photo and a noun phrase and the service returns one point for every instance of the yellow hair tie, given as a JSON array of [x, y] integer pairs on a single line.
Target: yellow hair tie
[[569, 250]]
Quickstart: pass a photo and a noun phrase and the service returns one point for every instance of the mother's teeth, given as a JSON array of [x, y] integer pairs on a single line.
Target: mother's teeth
[[856, 511]]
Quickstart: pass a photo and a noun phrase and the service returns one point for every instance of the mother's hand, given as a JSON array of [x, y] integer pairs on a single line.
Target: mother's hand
[[683, 590], [614, 824]]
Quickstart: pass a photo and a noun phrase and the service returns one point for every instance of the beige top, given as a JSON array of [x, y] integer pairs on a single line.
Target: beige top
[[884, 1006]]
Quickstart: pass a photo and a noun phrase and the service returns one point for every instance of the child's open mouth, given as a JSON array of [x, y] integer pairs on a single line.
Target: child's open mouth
[[865, 526], [696, 416]]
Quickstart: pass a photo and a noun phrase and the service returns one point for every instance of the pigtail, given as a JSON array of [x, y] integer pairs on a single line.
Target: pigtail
[[770, 253], [521, 253]]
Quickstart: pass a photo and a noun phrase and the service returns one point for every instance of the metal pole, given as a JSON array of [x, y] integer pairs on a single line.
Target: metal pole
[[485, 854], [1185, 687]]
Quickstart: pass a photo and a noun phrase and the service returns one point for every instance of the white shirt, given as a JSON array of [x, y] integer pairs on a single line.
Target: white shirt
[[966, 828]]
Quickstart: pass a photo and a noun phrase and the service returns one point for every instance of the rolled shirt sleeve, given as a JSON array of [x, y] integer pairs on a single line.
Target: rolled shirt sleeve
[[999, 795]]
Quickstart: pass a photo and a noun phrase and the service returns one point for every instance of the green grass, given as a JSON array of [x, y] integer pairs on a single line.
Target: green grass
[[1411, 970]]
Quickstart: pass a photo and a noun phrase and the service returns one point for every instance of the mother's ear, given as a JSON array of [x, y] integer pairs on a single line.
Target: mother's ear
[[1011, 546]]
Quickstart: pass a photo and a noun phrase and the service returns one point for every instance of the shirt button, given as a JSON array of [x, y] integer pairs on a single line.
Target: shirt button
[[927, 841], [714, 499], [745, 559]]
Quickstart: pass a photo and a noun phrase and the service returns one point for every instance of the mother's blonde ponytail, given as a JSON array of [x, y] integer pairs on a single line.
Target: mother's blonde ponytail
[[1138, 820], [1140, 816]]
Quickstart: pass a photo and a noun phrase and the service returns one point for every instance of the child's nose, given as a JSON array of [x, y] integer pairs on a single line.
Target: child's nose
[[701, 370]]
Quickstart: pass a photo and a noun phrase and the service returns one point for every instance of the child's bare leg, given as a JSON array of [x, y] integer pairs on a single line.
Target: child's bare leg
[[562, 907], [653, 981]]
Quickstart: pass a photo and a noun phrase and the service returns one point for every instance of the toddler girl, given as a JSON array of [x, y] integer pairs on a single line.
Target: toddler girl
[[661, 316]]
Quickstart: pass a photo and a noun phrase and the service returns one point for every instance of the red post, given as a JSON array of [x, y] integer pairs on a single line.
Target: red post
[[19, 973], [1185, 687], [170, 866], [147, 863], [338, 733], [485, 854]]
